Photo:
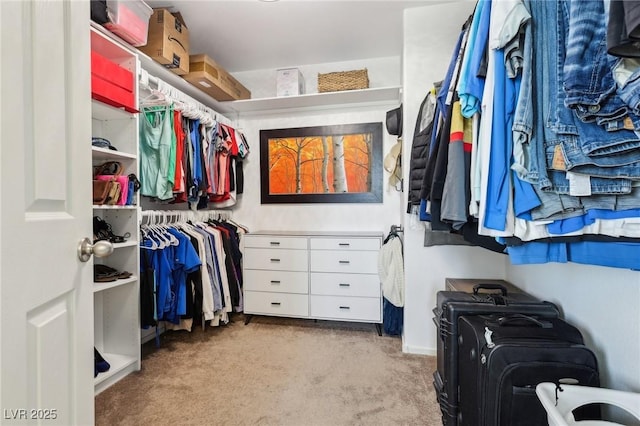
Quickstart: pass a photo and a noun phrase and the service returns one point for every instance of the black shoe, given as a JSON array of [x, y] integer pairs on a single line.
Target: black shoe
[[99, 363]]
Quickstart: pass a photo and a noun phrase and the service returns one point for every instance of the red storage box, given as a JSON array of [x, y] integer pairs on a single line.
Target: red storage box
[[109, 93], [112, 84], [107, 70]]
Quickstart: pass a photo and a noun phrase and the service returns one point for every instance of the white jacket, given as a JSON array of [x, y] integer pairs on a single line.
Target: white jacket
[[391, 271]]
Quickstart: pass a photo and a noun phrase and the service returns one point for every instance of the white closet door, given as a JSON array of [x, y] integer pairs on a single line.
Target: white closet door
[[46, 304]]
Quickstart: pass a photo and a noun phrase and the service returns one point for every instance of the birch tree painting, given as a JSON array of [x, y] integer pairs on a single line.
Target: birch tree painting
[[320, 163]]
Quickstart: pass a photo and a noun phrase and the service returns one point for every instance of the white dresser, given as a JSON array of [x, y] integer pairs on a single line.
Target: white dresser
[[318, 275]]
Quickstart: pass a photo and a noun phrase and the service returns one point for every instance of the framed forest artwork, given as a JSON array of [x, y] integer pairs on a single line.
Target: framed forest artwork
[[324, 164]]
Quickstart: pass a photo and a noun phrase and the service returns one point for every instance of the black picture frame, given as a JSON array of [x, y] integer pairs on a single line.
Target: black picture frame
[[272, 140]]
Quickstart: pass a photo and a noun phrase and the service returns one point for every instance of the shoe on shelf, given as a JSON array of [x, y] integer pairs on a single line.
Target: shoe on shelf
[[102, 232], [99, 363], [104, 273]]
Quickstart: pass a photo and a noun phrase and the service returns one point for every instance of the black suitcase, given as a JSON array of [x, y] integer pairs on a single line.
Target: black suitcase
[[468, 284], [501, 359], [453, 304]]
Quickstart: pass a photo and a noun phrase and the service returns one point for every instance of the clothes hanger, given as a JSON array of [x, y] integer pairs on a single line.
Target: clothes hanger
[[155, 98], [145, 236], [168, 237], [173, 240], [156, 233]]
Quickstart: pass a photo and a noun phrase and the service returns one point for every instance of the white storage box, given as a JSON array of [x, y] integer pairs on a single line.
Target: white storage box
[[573, 396], [129, 20], [289, 82]]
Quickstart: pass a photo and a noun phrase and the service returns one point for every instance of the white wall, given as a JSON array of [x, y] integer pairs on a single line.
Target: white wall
[[376, 217], [604, 303], [430, 34]]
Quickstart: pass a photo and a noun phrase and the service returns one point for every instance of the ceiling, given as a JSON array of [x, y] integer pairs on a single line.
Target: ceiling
[[244, 35]]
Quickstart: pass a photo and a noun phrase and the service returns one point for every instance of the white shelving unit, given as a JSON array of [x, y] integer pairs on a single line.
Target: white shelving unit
[[316, 101], [116, 303]]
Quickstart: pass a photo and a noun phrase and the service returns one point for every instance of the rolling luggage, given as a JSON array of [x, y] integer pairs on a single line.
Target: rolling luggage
[[467, 285], [486, 298], [501, 359]]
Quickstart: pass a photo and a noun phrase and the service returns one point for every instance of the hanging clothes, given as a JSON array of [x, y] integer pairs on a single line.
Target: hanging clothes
[[554, 165], [391, 273], [157, 152], [192, 269], [186, 156]]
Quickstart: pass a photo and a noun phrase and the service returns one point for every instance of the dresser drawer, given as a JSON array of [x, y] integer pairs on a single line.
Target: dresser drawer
[[276, 259], [347, 243], [282, 304], [332, 284], [344, 261], [277, 281], [346, 308], [275, 241]]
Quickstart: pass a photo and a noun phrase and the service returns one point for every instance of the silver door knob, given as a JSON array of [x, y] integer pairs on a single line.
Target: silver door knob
[[99, 249]]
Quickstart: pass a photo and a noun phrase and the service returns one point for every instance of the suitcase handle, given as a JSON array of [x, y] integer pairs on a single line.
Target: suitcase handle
[[522, 318], [488, 286]]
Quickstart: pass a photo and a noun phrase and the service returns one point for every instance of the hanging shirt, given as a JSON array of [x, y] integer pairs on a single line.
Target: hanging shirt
[[156, 139], [178, 177], [185, 260], [196, 163]]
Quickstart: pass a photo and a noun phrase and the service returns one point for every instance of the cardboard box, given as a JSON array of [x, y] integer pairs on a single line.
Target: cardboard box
[[289, 82], [168, 41], [211, 78], [112, 84]]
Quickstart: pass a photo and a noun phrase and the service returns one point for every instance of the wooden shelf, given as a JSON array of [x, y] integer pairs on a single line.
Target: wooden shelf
[[110, 207], [120, 366], [318, 101], [109, 154], [101, 286]]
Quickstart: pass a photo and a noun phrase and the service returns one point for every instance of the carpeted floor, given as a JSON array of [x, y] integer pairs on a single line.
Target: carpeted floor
[[275, 371]]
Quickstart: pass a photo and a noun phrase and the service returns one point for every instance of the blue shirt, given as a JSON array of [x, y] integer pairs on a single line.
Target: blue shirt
[[616, 255], [186, 260], [498, 183], [471, 85], [573, 224]]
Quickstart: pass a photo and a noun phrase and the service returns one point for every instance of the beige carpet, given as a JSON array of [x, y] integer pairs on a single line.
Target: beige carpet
[[275, 372]]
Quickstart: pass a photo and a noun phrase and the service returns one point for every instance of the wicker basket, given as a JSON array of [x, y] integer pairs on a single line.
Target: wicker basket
[[343, 80]]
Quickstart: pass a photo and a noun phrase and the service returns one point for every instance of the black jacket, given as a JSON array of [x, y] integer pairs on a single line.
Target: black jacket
[[420, 148]]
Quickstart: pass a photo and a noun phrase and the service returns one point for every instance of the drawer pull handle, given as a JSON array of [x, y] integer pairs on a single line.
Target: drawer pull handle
[[274, 243], [344, 285], [343, 244], [275, 282], [344, 262], [275, 303], [344, 307], [275, 260]]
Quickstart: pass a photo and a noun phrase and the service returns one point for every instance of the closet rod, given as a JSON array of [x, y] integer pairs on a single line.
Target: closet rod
[[173, 216], [168, 89]]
